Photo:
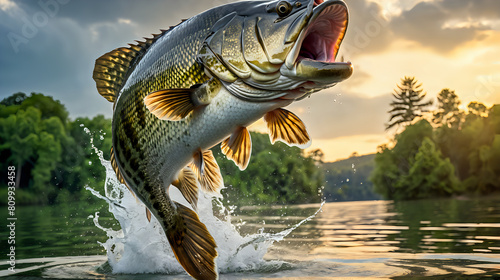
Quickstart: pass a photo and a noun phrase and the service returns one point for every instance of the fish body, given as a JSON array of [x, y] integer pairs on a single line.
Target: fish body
[[202, 83]]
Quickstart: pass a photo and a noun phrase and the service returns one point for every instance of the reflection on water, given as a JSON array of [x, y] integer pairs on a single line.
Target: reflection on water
[[439, 239], [442, 237], [424, 226]]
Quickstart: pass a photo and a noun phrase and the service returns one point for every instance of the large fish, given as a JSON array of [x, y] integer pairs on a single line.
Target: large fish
[[201, 83]]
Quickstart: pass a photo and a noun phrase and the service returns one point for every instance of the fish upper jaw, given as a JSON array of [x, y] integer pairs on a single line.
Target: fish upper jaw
[[313, 55]]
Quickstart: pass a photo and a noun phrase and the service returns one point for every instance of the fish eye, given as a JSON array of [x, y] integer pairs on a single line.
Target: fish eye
[[283, 8]]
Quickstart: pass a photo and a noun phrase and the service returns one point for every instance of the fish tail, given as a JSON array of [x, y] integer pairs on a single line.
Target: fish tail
[[193, 245]]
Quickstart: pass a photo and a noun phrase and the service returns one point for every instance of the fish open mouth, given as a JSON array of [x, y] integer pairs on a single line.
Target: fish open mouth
[[314, 53]]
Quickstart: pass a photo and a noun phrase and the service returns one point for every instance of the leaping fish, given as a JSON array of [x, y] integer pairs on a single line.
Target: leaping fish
[[203, 82]]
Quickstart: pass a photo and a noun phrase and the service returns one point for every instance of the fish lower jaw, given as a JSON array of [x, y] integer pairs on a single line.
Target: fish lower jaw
[[318, 72]]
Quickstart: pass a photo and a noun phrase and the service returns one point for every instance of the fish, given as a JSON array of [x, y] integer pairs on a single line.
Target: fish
[[201, 83]]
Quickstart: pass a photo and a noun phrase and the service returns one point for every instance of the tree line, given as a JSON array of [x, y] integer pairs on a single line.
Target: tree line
[[54, 159], [445, 152], [51, 153]]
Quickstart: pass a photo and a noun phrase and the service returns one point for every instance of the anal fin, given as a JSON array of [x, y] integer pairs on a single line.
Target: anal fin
[[193, 245], [285, 126], [186, 183], [238, 147], [207, 170]]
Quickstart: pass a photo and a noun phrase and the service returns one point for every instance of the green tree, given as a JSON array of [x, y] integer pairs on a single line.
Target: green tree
[[34, 147], [484, 155], [48, 106], [477, 108], [52, 154], [19, 135], [15, 99], [448, 113], [430, 175], [408, 104], [392, 165], [276, 174]]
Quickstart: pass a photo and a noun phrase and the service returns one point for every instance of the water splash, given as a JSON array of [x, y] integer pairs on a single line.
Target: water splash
[[141, 246]]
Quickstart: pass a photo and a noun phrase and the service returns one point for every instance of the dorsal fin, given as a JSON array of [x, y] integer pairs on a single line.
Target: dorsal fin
[[113, 68]]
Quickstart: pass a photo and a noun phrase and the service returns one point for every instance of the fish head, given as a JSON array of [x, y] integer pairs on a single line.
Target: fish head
[[283, 49]]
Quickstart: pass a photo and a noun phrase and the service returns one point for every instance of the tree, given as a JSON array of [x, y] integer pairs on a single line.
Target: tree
[[448, 113], [19, 135], [15, 99], [276, 174], [430, 175], [409, 103], [51, 153], [476, 108], [48, 106], [392, 165]]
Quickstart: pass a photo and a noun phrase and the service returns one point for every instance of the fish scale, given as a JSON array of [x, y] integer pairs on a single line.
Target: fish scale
[[203, 82]]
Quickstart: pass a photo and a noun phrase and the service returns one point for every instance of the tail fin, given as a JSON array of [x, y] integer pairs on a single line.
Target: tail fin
[[193, 245]]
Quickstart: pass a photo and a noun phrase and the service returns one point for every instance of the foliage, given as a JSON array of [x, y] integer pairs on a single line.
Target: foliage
[[50, 152], [448, 112], [276, 174], [461, 154], [392, 165], [409, 103], [54, 158], [15, 99], [430, 174]]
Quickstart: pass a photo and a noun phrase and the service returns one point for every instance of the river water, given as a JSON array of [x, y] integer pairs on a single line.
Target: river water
[[434, 239], [112, 239]]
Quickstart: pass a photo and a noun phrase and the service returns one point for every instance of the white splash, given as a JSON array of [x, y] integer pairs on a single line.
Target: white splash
[[142, 247]]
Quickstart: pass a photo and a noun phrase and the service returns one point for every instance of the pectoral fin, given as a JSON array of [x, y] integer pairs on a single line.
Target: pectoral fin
[[176, 104], [170, 104], [207, 170], [186, 183], [238, 147], [285, 126]]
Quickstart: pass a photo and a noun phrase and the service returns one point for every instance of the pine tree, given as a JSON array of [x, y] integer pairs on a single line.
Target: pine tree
[[408, 104]]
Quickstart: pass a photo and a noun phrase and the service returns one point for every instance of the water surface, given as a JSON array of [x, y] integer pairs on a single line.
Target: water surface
[[438, 239]]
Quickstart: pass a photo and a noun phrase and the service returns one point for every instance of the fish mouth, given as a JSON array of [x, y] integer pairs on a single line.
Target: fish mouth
[[313, 57]]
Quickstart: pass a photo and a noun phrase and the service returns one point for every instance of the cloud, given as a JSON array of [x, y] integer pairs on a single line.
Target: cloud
[[368, 30], [446, 25]]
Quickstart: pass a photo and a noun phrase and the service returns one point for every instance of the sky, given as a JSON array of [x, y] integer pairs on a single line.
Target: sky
[[50, 46]]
